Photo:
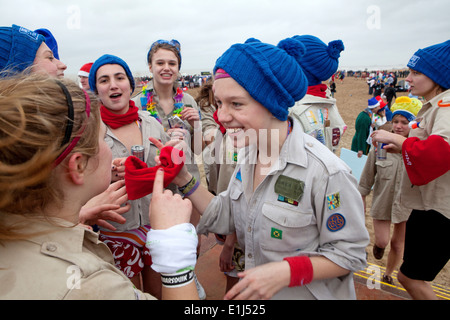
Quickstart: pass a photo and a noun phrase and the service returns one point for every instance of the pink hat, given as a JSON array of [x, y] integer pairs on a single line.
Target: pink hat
[[84, 71]]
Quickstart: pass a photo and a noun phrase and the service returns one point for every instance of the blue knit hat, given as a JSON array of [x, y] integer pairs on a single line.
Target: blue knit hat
[[18, 47], [50, 41], [270, 74], [108, 59], [434, 62], [321, 61]]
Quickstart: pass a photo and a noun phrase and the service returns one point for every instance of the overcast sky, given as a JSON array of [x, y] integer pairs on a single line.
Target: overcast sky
[[376, 33]]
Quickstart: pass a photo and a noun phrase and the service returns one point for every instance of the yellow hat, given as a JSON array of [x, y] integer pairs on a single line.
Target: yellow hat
[[406, 107]]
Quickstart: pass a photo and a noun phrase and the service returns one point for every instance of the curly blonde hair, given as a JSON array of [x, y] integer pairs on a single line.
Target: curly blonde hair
[[33, 118]]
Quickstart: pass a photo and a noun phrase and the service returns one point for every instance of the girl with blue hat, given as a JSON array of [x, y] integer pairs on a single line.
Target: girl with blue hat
[[290, 201], [426, 181], [111, 79], [25, 50]]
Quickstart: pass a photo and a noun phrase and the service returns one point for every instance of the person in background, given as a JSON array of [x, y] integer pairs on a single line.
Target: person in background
[[426, 155], [384, 177], [363, 124], [83, 75], [176, 110], [52, 162], [317, 112]]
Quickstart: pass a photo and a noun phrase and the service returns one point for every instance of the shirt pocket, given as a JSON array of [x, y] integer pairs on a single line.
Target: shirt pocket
[[385, 169], [286, 230]]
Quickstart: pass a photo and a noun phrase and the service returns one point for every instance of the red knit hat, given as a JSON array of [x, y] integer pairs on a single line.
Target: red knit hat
[[84, 71]]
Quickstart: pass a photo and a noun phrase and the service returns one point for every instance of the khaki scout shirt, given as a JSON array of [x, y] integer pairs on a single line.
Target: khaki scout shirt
[[280, 219], [138, 215], [309, 111], [434, 120], [385, 177], [60, 262]]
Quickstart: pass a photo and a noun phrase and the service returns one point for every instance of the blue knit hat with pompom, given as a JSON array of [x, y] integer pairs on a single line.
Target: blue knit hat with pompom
[[321, 61], [270, 74]]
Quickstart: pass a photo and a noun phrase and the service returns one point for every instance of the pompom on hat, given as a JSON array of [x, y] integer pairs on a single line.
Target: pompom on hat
[[270, 74], [85, 69], [321, 61], [434, 62], [108, 59], [18, 47], [50, 41], [407, 107]]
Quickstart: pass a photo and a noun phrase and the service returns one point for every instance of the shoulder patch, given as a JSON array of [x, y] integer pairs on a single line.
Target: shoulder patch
[[336, 222]]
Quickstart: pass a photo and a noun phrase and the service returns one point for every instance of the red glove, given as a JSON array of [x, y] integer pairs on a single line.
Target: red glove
[[139, 178], [426, 160]]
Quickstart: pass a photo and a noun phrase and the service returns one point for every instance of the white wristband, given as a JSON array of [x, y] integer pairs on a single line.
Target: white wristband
[[173, 250]]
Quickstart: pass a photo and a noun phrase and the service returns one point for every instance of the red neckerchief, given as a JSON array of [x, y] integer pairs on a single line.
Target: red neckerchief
[[216, 119], [318, 90], [118, 120]]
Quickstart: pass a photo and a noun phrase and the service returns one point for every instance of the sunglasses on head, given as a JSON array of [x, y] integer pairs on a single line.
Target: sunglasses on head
[[172, 42]]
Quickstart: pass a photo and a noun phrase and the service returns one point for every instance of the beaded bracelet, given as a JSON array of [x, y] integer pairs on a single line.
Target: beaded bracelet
[[188, 186], [187, 193]]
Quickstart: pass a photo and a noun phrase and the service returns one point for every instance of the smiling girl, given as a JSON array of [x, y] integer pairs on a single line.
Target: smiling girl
[[165, 100], [294, 208]]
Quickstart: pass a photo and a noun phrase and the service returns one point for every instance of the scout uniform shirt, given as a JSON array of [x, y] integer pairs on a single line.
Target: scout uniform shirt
[[60, 261], [308, 204], [385, 177], [434, 120], [320, 118]]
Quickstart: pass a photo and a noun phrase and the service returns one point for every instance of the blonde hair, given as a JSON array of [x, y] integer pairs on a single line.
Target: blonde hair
[[33, 118]]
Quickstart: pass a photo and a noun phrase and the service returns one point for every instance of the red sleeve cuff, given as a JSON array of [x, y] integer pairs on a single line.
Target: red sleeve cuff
[[426, 160], [301, 270]]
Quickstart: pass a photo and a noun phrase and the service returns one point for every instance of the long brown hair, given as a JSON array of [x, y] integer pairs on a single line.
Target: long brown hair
[[33, 116]]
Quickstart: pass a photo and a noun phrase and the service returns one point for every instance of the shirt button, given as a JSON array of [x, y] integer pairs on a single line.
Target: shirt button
[[51, 247], [249, 229], [250, 255]]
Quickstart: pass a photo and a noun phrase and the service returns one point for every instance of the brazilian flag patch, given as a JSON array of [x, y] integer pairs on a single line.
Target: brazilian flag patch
[[276, 233]]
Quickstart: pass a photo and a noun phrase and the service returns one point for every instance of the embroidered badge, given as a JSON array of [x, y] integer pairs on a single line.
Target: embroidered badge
[[287, 200], [333, 201], [276, 233], [335, 222], [289, 187]]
